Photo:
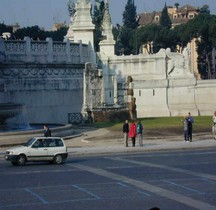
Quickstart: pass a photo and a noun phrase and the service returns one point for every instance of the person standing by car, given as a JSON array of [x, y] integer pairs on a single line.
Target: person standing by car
[[47, 131], [139, 133], [132, 133], [126, 131]]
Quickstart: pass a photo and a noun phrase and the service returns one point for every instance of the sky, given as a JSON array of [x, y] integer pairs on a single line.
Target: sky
[[45, 12]]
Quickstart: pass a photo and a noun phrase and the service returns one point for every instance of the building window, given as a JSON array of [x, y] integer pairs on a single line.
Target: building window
[[110, 94], [175, 16], [157, 18], [191, 16], [140, 93], [153, 92]]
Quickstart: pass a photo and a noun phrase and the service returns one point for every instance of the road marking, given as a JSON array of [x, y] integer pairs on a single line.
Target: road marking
[[183, 187], [86, 191], [147, 187], [37, 172], [169, 154], [179, 170], [36, 195]]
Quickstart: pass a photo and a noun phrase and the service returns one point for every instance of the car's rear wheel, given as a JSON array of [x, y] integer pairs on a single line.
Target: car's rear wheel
[[21, 160], [58, 159]]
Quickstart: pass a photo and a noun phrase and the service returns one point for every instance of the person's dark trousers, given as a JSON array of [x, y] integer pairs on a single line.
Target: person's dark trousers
[[133, 141], [190, 134]]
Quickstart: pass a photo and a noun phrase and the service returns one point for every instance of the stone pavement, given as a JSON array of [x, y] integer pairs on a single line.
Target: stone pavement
[[97, 141]]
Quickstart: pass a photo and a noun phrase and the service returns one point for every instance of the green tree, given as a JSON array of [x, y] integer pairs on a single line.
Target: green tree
[[155, 37], [97, 20], [117, 37], [205, 9], [177, 5], [58, 35], [35, 33], [165, 19], [127, 38], [130, 15]]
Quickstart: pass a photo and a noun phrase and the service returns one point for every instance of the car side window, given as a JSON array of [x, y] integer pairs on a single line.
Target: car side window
[[38, 143], [46, 142], [52, 143], [59, 143]]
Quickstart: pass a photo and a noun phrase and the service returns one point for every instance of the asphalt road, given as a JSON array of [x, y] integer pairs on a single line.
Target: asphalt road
[[180, 180]]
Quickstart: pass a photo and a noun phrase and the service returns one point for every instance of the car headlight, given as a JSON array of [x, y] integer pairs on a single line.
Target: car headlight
[[9, 152]]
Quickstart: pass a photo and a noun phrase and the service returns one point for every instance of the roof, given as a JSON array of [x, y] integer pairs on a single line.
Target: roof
[[177, 16]]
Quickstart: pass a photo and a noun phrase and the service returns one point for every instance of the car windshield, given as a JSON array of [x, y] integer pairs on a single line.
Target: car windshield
[[29, 142]]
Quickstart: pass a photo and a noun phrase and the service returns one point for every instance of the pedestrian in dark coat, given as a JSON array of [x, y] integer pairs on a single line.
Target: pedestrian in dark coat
[[190, 126], [47, 131], [126, 131]]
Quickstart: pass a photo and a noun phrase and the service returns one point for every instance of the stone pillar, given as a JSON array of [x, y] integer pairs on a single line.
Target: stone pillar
[[50, 50], [81, 51], [2, 50], [69, 58], [107, 45], [82, 27], [115, 83], [131, 99], [28, 49]]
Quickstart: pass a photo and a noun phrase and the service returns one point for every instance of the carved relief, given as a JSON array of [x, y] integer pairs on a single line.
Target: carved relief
[[37, 72]]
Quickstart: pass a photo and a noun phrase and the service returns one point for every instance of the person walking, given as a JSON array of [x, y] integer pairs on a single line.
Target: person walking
[[185, 126], [140, 133], [126, 131], [132, 133], [214, 125], [47, 131], [190, 121]]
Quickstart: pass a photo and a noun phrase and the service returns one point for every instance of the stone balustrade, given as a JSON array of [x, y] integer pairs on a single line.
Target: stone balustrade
[[43, 52]]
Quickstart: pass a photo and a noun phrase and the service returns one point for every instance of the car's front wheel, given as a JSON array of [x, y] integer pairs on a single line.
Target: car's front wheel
[[21, 160], [58, 159]]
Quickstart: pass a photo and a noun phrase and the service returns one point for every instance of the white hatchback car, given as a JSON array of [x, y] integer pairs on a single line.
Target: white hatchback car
[[51, 149]]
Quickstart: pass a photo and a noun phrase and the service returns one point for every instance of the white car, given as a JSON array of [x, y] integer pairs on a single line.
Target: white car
[[51, 149]]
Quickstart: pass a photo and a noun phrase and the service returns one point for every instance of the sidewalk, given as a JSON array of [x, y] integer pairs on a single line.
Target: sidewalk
[[95, 142]]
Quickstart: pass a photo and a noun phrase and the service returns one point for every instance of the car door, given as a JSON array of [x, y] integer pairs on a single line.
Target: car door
[[55, 147], [38, 151]]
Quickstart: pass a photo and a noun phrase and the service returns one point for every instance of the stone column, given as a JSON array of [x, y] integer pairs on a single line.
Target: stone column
[[131, 99], [115, 84], [69, 58], [50, 50], [28, 49], [81, 51]]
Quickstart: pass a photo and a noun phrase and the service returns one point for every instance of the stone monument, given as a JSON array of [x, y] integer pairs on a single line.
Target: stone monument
[[107, 45], [81, 28]]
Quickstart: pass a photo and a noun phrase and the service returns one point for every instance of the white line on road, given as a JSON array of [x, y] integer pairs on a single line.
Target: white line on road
[[147, 187]]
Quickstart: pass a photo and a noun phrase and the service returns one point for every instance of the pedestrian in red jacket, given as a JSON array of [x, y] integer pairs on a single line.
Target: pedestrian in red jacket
[[132, 133]]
